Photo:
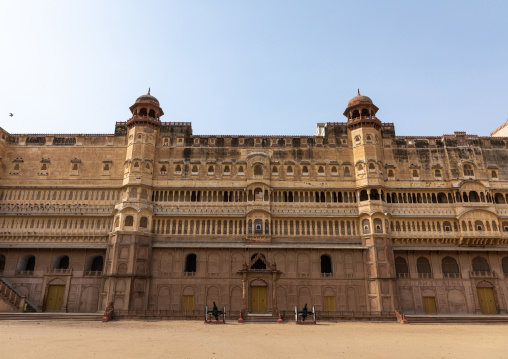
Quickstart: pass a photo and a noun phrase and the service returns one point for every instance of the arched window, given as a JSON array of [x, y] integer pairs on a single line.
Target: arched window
[[334, 171], [258, 170], [423, 267], [26, 263], [505, 265], [240, 170], [473, 196], [391, 174], [326, 265], [94, 263], [194, 169], [258, 226], [258, 194], [60, 262], [305, 170], [480, 264], [190, 263], [151, 113], [106, 167], [129, 221], [147, 166], [321, 170], [437, 173], [415, 174], [401, 267], [143, 222], [44, 167], [142, 112], [360, 167], [347, 172], [178, 169], [2, 263], [468, 170], [493, 174], [372, 167], [363, 195], [289, 170], [450, 267], [211, 170], [259, 263], [499, 198], [274, 170], [226, 170], [136, 164]]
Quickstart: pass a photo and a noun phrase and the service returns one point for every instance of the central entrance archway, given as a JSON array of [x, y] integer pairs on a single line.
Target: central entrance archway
[[258, 297], [54, 299]]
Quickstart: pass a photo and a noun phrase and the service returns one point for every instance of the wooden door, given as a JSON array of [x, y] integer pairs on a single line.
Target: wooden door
[[258, 302], [487, 301], [188, 302], [430, 305], [329, 303], [54, 299]]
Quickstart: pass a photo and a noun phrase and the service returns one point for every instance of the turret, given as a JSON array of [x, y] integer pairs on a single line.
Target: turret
[[365, 135]]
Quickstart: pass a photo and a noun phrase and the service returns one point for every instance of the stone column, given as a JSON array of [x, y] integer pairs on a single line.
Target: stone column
[[274, 294], [244, 294]]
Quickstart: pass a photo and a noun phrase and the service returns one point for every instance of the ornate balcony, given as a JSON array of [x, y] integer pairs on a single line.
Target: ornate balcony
[[482, 274]]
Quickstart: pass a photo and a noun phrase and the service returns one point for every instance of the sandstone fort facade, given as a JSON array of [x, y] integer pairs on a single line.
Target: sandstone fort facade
[[350, 219]]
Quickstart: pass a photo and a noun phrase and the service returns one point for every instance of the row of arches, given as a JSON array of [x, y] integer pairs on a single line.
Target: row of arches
[[446, 226], [200, 226], [325, 196], [27, 263], [314, 227], [258, 262], [259, 170], [253, 195], [257, 226], [449, 266], [95, 225], [143, 111], [129, 221], [59, 196]]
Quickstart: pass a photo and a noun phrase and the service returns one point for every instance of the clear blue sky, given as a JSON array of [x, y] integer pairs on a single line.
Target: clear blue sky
[[253, 67]]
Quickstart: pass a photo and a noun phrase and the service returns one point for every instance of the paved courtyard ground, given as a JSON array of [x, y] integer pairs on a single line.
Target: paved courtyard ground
[[183, 339]]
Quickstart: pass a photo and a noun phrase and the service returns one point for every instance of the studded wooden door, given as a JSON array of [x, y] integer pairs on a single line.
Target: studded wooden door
[[188, 302], [258, 302], [487, 301], [329, 303], [54, 299], [430, 305]]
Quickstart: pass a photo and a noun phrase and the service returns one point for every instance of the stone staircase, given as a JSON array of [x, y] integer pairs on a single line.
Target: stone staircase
[[50, 316], [18, 303], [260, 319], [457, 319]]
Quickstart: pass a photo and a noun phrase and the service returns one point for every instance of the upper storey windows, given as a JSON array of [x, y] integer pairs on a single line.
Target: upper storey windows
[[468, 170], [258, 170]]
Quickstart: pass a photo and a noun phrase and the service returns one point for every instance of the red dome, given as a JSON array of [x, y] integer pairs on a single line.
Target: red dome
[[359, 100]]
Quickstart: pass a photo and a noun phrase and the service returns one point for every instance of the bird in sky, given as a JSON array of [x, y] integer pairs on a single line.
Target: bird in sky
[[10, 114]]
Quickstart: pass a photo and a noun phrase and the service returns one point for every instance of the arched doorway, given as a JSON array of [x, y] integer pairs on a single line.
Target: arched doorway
[[55, 295], [258, 296], [486, 298]]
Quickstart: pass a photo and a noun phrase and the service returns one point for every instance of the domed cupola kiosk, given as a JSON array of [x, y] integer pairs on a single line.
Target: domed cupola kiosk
[[146, 110], [361, 111], [364, 130]]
